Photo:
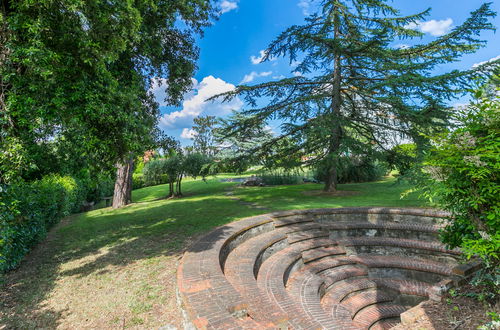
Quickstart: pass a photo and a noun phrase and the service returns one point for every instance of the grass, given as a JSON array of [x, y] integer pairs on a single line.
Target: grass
[[116, 268]]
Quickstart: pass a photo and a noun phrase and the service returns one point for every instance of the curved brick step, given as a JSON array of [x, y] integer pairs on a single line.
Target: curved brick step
[[375, 313], [321, 252], [241, 268], [200, 277], [357, 302], [363, 214], [304, 286], [306, 235], [343, 229], [409, 287], [345, 288], [406, 268], [400, 246], [272, 279], [285, 270], [385, 324]]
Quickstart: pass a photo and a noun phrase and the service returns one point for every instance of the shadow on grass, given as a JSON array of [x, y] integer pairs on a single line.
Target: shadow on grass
[[95, 243]]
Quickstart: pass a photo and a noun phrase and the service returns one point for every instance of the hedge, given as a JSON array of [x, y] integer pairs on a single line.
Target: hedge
[[29, 210]]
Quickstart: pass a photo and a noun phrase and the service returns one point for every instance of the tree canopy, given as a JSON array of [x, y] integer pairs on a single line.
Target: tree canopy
[[354, 88], [79, 73]]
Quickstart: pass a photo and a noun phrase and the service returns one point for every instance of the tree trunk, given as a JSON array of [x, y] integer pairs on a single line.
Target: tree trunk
[[123, 185], [171, 189], [179, 182], [331, 180]]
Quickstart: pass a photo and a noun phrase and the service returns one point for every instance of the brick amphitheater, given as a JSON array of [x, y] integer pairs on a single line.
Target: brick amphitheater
[[344, 268]]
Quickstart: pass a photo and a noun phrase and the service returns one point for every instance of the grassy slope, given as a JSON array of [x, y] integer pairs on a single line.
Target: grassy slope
[[116, 268]]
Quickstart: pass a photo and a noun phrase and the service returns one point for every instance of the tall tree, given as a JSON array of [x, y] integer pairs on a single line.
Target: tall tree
[[81, 71], [353, 85], [203, 137]]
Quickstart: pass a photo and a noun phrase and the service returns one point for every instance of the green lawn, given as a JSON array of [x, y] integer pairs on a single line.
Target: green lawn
[[116, 268]]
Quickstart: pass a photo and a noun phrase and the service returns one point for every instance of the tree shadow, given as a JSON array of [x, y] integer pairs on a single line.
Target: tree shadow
[[95, 243]]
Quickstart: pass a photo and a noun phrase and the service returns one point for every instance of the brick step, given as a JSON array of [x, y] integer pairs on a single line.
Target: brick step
[[366, 298], [200, 278], [385, 324], [300, 227], [382, 229], [241, 270], [337, 274], [409, 287], [374, 313], [323, 269], [304, 286], [273, 276], [399, 246], [291, 220], [343, 289], [306, 235], [321, 252], [405, 268]]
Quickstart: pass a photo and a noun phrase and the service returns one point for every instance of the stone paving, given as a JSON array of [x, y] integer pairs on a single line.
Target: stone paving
[[345, 268]]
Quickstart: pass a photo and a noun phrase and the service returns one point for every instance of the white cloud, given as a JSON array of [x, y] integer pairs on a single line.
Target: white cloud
[[488, 61], [188, 133], [253, 75], [279, 77], [194, 104], [226, 6], [402, 46], [297, 74], [305, 5], [433, 27], [159, 86], [258, 59]]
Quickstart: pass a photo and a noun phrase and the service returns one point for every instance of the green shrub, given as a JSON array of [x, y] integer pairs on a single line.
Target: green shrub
[[402, 157], [355, 169], [154, 172], [29, 210], [281, 178], [138, 181], [462, 174]]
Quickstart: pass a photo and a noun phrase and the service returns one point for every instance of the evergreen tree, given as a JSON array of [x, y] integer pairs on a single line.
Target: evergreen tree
[[235, 146], [354, 87]]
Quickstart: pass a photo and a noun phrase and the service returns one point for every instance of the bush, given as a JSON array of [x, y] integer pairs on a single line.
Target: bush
[[154, 173], [354, 169], [402, 157], [29, 210], [281, 178], [138, 181], [462, 173]]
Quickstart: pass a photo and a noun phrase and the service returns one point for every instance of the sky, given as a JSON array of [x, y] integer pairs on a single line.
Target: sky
[[230, 51]]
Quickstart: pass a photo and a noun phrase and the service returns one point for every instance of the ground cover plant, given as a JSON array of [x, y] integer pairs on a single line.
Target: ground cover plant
[[116, 268]]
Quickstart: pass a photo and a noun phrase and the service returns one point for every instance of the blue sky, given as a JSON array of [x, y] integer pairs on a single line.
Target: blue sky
[[231, 48]]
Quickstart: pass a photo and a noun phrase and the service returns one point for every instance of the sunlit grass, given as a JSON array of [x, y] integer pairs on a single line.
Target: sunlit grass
[[124, 261]]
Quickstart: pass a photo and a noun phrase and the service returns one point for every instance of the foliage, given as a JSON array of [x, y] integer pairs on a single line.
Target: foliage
[[138, 181], [402, 157], [462, 174], [27, 211], [354, 169], [352, 86], [236, 147], [203, 136], [76, 75], [276, 178], [171, 170], [154, 172]]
